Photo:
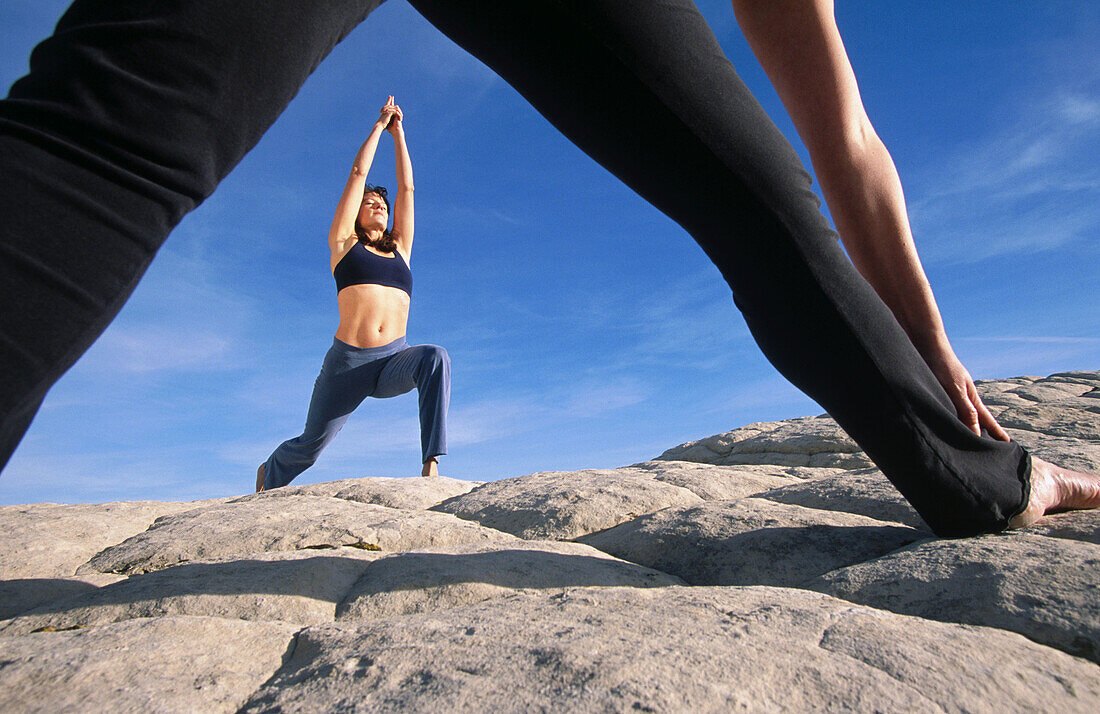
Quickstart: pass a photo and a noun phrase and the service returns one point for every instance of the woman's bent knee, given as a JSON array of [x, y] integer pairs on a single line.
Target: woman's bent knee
[[435, 358]]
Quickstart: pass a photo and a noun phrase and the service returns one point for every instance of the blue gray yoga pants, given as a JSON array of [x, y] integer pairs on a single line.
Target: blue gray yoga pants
[[351, 374], [134, 111]]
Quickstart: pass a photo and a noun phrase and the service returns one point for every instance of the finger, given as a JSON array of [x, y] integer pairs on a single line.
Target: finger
[[968, 415], [990, 423], [389, 101], [988, 420]]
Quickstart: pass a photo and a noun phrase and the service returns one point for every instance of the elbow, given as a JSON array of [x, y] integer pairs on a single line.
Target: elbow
[[853, 147], [846, 141], [858, 141]]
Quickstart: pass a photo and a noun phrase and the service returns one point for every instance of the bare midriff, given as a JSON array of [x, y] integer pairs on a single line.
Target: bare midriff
[[372, 315]]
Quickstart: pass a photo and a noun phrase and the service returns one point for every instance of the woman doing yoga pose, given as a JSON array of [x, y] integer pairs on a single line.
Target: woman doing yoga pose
[[369, 356]]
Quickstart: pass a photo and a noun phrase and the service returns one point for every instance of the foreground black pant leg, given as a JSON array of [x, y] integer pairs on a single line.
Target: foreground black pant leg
[[132, 113], [644, 88]]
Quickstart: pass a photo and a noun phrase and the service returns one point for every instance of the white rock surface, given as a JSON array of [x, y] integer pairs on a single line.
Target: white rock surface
[[45, 543], [414, 493], [558, 505], [300, 587], [862, 491], [721, 483], [274, 524], [672, 650], [1057, 418], [1072, 453], [277, 602], [22, 594], [167, 664], [441, 578], [751, 542], [1076, 525], [1060, 420], [806, 441], [1043, 588], [46, 540]]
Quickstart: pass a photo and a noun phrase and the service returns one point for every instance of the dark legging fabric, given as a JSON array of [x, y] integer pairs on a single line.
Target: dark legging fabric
[[133, 111]]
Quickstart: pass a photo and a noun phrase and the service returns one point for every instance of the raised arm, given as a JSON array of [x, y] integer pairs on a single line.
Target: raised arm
[[403, 202], [343, 222], [799, 46]]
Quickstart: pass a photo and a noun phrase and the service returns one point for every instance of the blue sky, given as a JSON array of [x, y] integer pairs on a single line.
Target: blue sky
[[586, 329]]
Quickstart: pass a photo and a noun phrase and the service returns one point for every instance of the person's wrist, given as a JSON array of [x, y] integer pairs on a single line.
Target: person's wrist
[[935, 349]]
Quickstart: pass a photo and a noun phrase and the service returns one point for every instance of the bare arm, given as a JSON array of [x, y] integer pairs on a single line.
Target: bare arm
[[403, 224], [799, 46], [343, 222]]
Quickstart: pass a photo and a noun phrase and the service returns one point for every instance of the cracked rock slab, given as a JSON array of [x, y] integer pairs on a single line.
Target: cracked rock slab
[[278, 524], [559, 505], [302, 587], [672, 649], [198, 664], [1043, 588], [1057, 418], [1088, 402], [1085, 377], [50, 540], [23, 594], [865, 492], [721, 483], [1046, 391], [750, 541], [1054, 420], [1072, 453], [1041, 389], [805, 441], [410, 493], [443, 578]]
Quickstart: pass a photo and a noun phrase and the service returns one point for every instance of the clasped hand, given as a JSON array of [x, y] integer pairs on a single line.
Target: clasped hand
[[390, 116]]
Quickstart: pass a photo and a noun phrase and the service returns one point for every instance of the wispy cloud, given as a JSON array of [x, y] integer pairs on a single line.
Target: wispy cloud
[[153, 348], [492, 419], [690, 323], [770, 392], [153, 473], [187, 315], [1026, 188], [593, 399], [1080, 109]]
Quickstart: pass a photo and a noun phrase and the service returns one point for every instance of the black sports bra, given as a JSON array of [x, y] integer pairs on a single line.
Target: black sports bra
[[360, 266]]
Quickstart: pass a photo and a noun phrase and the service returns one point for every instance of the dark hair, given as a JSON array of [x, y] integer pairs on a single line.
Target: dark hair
[[387, 243]]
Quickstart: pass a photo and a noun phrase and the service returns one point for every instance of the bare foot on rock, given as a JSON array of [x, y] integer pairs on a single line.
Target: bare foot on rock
[[260, 478], [1055, 489], [431, 468]]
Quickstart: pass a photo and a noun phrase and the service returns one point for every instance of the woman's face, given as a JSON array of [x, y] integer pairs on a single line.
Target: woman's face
[[373, 214]]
